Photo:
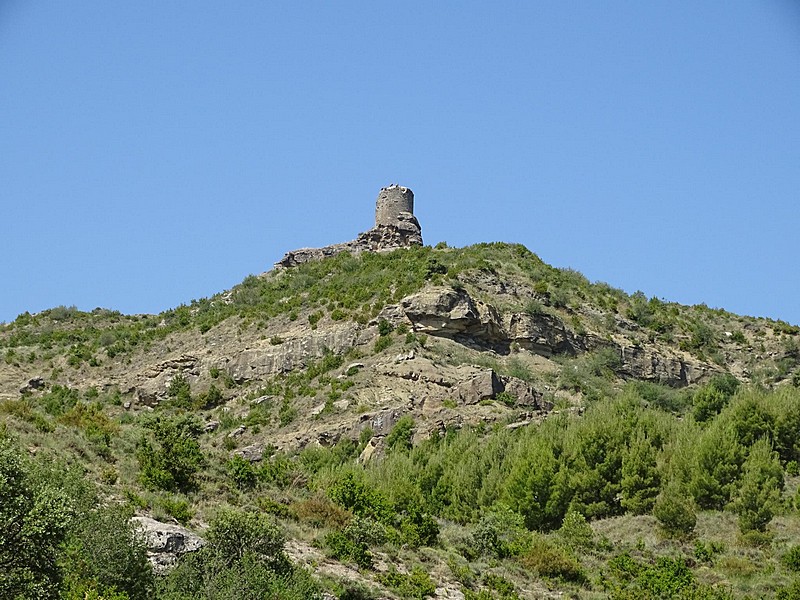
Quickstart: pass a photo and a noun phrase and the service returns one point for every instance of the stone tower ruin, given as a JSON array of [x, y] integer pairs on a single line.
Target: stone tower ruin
[[395, 227], [391, 202]]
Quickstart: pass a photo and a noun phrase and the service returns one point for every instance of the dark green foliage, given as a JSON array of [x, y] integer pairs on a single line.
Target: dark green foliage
[[710, 399], [504, 588], [242, 472], [180, 391], [243, 559], [641, 481], [530, 484], [417, 528], [384, 327], [59, 400], [57, 537], [674, 511], [706, 551], [210, 398], [352, 542], [665, 578], [34, 520], [103, 552], [759, 492], [399, 437], [506, 398], [789, 592], [500, 533], [787, 424], [718, 457], [382, 343], [173, 460], [343, 547], [353, 493], [792, 558], [177, 508]]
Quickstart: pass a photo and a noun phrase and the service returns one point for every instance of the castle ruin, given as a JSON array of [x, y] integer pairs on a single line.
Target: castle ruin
[[392, 201], [395, 227]]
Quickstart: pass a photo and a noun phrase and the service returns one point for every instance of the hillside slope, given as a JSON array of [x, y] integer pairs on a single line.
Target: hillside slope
[[471, 415]]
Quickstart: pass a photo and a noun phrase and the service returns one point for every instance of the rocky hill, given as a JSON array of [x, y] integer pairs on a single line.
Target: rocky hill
[[313, 391]]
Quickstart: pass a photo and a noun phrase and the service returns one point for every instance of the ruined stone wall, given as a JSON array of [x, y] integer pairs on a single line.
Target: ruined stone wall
[[391, 202]]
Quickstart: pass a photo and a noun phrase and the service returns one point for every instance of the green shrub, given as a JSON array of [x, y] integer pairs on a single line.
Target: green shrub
[[759, 491], [352, 492], [59, 400], [94, 423], [242, 472], [177, 508], [500, 533], [314, 318], [35, 520], [417, 584], [552, 561], [343, 548], [400, 436], [180, 391], [173, 460], [418, 528], [243, 558], [287, 413], [384, 327], [506, 398], [382, 343], [792, 558]]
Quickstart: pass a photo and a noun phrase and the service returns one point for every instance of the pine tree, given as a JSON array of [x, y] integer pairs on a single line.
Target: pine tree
[[759, 493], [641, 481], [718, 457], [675, 511]]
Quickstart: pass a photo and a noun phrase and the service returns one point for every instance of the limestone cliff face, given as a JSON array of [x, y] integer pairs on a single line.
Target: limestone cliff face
[[395, 227]]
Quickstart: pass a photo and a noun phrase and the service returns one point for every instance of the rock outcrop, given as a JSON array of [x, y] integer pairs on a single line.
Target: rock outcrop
[[454, 314], [638, 362], [166, 542]]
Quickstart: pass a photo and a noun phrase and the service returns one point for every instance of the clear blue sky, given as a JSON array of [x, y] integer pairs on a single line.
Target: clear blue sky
[[154, 152]]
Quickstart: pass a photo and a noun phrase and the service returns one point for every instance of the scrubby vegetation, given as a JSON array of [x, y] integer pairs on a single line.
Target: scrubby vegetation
[[627, 489]]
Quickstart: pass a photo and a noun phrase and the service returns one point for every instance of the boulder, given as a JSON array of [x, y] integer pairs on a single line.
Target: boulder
[[166, 542], [454, 314], [36, 383], [252, 453], [524, 392], [483, 386]]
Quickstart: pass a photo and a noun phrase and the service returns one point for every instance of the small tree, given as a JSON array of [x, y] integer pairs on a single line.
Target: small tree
[[171, 463], [717, 461], [759, 493], [640, 478], [244, 558], [675, 511], [34, 520]]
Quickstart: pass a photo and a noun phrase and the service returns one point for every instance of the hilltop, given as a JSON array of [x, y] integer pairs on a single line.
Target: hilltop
[[415, 418]]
